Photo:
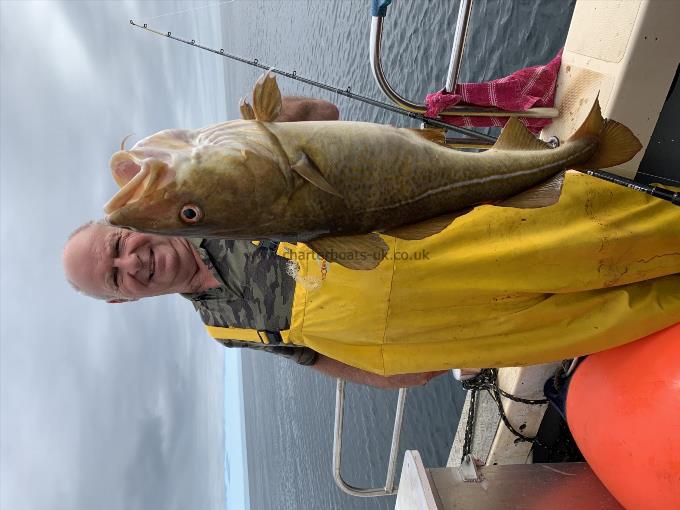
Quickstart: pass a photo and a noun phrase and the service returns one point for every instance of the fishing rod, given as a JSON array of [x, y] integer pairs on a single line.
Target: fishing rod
[[655, 191], [342, 92]]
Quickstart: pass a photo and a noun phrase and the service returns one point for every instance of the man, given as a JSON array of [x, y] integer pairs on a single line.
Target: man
[[498, 287], [119, 265]]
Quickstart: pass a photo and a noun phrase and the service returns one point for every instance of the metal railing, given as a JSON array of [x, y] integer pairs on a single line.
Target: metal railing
[[462, 22], [390, 488], [452, 78]]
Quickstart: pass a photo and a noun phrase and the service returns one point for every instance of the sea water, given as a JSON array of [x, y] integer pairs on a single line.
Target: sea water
[[289, 409]]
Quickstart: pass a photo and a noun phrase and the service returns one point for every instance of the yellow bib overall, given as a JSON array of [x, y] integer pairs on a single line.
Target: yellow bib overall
[[499, 287]]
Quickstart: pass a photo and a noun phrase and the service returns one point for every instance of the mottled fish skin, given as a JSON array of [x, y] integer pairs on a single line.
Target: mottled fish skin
[[334, 185], [239, 173], [389, 177]]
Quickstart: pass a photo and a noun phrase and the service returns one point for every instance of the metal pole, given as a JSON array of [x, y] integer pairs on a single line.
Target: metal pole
[[403, 103], [390, 487], [473, 111], [394, 448], [458, 44]]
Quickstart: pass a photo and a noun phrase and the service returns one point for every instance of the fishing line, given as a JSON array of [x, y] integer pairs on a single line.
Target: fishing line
[[658, 177], [190, 10]]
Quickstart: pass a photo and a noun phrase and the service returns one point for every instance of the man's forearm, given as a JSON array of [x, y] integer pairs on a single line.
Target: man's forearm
[[333, 368]]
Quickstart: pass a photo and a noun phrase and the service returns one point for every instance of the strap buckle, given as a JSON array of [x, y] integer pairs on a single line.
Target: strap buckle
[[269, 245], [270, 337]]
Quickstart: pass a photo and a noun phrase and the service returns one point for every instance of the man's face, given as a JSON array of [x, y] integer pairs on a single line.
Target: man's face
[[121, 265]]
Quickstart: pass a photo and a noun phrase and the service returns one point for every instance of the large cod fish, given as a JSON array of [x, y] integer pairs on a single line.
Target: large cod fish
[[335, 185]]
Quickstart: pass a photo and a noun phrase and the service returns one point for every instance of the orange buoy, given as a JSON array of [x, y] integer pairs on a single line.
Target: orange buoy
[[623, 409]]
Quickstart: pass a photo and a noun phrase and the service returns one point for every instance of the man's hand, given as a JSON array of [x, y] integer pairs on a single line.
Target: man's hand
[[294, 109], [333, 368], [408, 380]]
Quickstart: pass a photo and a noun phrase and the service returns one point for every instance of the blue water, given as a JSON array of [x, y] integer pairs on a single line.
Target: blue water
[[289, 409]]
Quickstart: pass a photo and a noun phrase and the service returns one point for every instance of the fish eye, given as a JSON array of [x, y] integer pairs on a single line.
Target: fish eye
[[191, 213]]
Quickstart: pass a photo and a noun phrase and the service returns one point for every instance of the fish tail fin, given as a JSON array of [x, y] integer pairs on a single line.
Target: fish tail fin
[[616, 143]]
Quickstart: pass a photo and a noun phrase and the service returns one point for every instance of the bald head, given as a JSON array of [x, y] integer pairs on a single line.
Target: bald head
[[78, 250]]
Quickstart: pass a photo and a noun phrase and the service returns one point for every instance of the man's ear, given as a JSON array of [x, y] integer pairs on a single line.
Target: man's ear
[[115, 301]]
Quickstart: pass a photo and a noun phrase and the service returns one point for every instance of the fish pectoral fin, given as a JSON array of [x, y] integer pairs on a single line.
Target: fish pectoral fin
[[436, 135], [425, 228], [353, 252], [306, 169], [543, 195], [516, 137], [266, 98], [247, 112]]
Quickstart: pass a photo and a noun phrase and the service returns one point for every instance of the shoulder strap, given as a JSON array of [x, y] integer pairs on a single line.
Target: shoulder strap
[[246, 335]]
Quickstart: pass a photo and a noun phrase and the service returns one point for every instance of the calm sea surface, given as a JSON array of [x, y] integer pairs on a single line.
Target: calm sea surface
[[289, 409]]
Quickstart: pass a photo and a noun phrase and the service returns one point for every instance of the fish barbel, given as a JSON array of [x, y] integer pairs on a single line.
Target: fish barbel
[[335, 185]]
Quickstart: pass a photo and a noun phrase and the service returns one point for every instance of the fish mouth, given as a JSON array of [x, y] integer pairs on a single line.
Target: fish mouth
[[140, 179]]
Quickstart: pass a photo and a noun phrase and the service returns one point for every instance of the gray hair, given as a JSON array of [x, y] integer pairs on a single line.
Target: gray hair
[[77, 231]]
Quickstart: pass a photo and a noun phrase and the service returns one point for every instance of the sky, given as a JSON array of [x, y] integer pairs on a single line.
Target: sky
[[102, 406]]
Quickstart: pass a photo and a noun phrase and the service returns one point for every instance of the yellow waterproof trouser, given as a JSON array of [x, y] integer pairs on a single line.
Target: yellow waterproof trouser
[[500, 286]]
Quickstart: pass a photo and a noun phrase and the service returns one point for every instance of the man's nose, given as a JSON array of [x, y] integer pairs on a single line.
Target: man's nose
[[129, 263]]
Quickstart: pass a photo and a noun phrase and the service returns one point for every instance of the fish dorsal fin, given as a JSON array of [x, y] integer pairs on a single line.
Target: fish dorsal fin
[[353, 252], [247, 112], [425, 228], [545, 194], [266, 98], [436, 135], [516, 137], [306, 169]]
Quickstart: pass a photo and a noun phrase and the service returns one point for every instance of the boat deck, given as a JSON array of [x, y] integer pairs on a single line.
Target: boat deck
[[661, 162], [629, 54]]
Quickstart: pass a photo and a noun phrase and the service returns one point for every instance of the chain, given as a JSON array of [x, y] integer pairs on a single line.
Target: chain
[[469, 426], [487, 380]]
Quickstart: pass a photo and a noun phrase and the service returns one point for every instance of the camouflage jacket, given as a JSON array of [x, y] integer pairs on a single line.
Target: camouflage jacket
[[256, 293]]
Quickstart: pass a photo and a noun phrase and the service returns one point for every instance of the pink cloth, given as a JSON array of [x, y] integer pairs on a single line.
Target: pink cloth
[[527, 88]]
